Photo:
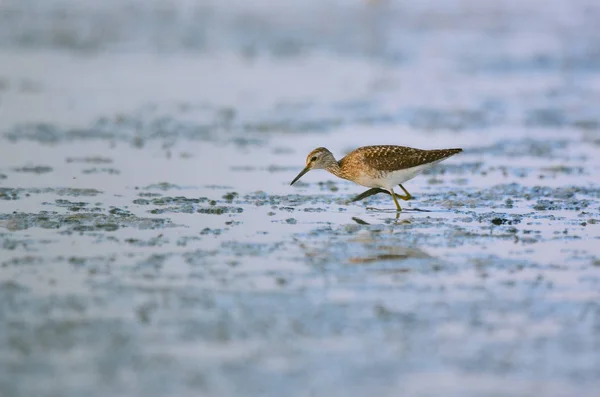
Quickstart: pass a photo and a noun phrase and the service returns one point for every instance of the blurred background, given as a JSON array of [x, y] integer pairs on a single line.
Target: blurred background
[[150, 243]]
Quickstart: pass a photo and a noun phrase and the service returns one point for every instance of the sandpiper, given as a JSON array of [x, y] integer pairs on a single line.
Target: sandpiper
[[379, 167]]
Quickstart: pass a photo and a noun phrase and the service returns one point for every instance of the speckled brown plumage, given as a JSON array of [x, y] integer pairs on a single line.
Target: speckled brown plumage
[[377, 160], [379, 167]]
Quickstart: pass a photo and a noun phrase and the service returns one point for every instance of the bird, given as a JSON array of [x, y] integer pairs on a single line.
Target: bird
[[380, 167]]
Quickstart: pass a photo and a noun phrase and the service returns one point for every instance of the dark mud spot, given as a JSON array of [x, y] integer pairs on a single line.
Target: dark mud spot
[[243, 249], [68, 204], [504, 221], [152, 262], [28, 260], [390, 254], [72, 192], [152, 242], [43, 133], [178, 204], [9, 241], [179, 200], [149, 194], [328, 186], [9, 193], [219, 210], [17, 193], [230, 196], [34, 169], [570, 205], [185, 240], [120, 212], [110, 171], [435, 181], [90, 160], [162, 186], [214, 232], [9, 290], [353, 228], [564, 170], [182, 209], [80, 222], [315, 209], [289, 202], [74, 206], [500, 218]]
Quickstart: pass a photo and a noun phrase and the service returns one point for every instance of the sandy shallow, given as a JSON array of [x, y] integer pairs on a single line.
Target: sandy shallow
[[150, 243]]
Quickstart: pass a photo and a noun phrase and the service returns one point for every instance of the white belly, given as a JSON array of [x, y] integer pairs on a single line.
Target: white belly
[[394, 178]]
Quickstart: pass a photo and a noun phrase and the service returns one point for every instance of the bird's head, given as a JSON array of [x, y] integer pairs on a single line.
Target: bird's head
[[320, 158]]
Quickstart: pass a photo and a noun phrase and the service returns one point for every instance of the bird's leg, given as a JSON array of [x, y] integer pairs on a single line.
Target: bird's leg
[[368, 193], [408, 195], [374, 191], [395, 199]]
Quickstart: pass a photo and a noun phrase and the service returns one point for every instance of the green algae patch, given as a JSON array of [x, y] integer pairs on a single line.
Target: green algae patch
[[230, 196], [219, 210], [162, 186], [34, 169], [172, 204], [180, 200], [10, 193], [89, 160], [95, 170], [80, 222]]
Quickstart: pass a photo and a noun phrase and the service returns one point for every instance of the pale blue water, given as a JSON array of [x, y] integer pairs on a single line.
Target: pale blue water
[[150, 243]]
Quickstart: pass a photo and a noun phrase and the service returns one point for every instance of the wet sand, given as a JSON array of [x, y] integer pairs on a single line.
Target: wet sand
[[150, 243]]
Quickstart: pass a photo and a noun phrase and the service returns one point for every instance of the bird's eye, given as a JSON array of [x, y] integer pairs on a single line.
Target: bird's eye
[[313, 158]]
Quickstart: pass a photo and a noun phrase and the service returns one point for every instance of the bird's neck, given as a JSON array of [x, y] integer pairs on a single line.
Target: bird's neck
[[335, 169]]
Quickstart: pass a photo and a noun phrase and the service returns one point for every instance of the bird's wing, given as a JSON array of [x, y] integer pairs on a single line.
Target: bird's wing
[[393, 158]]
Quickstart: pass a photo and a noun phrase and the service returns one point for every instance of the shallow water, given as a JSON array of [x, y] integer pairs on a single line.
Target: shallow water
[[151, 243]]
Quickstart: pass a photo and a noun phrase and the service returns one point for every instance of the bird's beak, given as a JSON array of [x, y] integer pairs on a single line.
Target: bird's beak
[[304, 171]]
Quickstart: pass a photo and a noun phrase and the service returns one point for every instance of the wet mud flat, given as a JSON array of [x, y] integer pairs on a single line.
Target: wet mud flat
[[150, 243]]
